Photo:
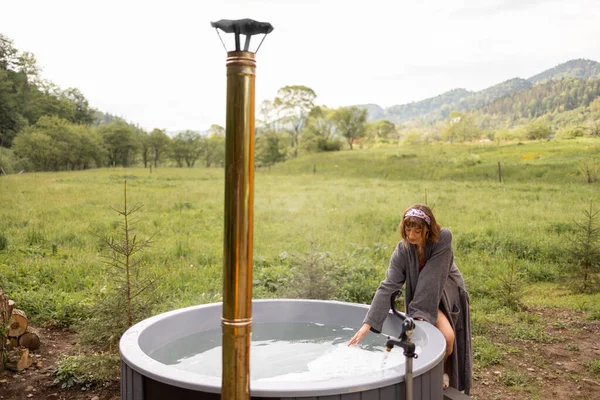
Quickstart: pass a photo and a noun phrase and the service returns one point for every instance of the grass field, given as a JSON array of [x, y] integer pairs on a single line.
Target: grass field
[[340, 209]]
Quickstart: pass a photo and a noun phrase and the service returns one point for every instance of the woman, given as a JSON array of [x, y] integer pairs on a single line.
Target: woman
[[435, 291]]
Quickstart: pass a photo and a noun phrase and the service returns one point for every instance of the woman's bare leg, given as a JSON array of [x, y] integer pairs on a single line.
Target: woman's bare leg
[[444, 326]]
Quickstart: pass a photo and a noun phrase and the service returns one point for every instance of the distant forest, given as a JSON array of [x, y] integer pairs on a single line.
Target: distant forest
[[46, 128], [579, 88]]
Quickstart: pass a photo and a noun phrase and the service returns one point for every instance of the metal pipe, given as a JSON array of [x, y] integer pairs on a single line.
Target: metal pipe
[[239, 207], [408, 325], [409, 378]]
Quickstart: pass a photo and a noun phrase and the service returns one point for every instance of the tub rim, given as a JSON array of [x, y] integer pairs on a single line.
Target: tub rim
[[133, 355]]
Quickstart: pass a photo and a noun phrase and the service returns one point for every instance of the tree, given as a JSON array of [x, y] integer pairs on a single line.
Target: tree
[[320, 131], [584, 261], [177, 150], [81, 113], [27, 64], [159, 143], [270, 148], [186, 148], [351, 123], [595, 105], [131, 290], [216, 130], [25, 97], [270, 117], [144, 140], [11, 119], [38, 149], [8, 53], [214, 146], [382, 129], [460, 127], [120, 141], [12, 90], [92, 152], [594, 128], [54, 144], [294, 103], [538, 129]]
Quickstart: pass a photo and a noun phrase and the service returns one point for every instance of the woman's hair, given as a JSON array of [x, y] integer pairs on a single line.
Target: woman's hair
[[412, 221]]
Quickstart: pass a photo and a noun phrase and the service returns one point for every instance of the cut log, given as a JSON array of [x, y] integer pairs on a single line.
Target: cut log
[[18, 323], [18, 360], [13, 342], [30, 340], [6, 307], [5, 312]]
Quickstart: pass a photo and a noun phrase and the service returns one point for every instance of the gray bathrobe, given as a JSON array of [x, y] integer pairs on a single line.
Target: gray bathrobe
[[439, 285]]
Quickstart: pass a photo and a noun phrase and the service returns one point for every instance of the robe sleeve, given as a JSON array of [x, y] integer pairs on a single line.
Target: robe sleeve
[[432, 280], [394, 279]]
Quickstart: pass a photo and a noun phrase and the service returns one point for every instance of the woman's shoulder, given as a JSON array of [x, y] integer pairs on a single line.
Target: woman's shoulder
[[444, 239], [445, 235], [400, 255], [401, 249]]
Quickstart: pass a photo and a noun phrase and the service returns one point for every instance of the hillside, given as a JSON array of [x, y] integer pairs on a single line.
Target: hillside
[[433, 107], [439, 107], [574, 68], [551, 96], [548, 162]]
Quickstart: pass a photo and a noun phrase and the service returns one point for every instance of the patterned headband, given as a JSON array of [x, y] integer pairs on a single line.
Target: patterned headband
[[413, 212]]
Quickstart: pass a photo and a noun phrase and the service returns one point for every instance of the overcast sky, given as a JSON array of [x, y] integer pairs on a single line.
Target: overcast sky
[[161, 65]]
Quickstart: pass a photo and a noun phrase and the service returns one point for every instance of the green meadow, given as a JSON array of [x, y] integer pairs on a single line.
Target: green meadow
[[333, 215]]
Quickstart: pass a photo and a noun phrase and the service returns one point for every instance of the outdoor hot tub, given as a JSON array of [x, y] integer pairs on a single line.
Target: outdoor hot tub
[[152, 352]]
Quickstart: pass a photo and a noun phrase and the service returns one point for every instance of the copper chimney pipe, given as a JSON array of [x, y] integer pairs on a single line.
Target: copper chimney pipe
[[236, 321]]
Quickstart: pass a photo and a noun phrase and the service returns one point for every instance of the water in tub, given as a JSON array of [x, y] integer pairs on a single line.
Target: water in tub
[[287, 352]]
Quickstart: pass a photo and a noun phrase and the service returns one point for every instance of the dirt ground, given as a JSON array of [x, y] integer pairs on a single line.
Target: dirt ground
[[532, 370], [554, 370], [37, 382]]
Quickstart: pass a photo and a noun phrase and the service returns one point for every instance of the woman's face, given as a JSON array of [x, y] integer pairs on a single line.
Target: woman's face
[[416, 234]]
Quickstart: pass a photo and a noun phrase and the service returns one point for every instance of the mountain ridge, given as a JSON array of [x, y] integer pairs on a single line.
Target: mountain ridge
[[439, 107]]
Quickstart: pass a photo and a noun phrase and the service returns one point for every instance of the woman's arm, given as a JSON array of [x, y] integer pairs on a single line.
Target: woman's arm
[[395, 277]]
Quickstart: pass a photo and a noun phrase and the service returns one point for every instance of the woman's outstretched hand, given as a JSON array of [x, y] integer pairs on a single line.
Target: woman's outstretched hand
[[362, 332]]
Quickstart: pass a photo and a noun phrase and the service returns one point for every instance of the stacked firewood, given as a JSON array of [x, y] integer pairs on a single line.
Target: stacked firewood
[[17, 338]]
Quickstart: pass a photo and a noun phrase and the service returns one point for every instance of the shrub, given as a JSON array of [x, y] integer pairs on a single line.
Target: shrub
[[412, 138], [329, 145], [532, 332], [131, 293], [509, 286], [538, 130], [540, 272], [87, 371], [513, 378], [584, 251], [10, 163], [358, 282], [270, 277], [571, 132], [485, 352], [3, 242], [594, 367], [594, 314], [513, 134], [312, 276], [589, 170]]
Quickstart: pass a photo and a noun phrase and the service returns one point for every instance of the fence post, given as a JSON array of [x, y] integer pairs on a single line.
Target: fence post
[[499, 173]]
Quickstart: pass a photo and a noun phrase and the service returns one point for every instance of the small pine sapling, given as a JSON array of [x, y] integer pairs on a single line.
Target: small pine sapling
[[584, 250]]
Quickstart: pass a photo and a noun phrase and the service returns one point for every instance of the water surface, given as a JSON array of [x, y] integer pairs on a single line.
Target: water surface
[[287, 351]]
